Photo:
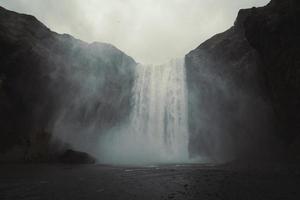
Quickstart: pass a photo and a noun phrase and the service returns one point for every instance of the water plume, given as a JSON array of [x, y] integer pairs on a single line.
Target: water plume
[[157, 131]]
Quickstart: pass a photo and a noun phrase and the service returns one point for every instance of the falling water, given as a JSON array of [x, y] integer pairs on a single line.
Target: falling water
[[157, 130]]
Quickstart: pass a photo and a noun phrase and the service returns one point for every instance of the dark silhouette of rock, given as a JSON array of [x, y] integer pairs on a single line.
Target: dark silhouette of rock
[[76, 157], [274, 32], [243, 84], [39, 78], [247, 82]]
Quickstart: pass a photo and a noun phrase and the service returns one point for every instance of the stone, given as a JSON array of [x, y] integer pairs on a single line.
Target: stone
[[76, 157]]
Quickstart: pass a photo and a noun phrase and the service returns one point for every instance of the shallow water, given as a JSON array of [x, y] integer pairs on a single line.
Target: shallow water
[[28, 182]]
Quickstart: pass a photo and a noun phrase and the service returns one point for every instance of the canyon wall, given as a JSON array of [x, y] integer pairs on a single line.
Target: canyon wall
[[42, 77], [245, 85]]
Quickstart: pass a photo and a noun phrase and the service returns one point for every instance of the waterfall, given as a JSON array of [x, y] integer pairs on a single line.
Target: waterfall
[[157, 131]]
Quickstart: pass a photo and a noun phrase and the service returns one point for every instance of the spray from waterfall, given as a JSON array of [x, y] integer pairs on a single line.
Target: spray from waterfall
[[157, 131]]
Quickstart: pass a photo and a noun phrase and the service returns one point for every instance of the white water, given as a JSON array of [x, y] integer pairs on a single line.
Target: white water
[[157, 130]]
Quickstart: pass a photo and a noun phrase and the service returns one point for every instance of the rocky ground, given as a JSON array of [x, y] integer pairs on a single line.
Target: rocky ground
[[154, 182]]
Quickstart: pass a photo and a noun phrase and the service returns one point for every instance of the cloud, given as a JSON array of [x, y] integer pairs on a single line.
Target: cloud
[[151, 31]]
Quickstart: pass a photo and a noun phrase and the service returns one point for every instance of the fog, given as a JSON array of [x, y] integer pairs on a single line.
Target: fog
[[151, 31], [157, 131], [120, 112], [226, 120]]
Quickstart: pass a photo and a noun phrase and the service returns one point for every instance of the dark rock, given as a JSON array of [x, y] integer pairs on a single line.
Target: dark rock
[[274, 32], [244, 85], [39, 80], [227, 108], [76, 157]]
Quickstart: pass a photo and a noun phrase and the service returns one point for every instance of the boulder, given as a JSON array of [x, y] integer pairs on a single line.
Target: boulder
[[76, 157]]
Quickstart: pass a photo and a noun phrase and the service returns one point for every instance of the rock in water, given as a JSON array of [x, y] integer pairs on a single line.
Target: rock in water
[[76, 157]]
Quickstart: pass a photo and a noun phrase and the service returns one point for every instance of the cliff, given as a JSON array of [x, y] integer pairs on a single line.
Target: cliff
[[247, 82], [44, 76]]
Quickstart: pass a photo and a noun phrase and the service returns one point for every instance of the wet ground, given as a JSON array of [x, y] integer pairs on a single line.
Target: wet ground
[[33, 182]]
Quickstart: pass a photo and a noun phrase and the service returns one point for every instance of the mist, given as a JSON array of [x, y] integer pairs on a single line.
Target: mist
[[93, 96], [149, 99], [123, 112], [150, 31], [226, 120], [157, 131]]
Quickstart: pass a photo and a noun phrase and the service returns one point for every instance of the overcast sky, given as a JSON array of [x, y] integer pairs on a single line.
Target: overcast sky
[[151, 31]]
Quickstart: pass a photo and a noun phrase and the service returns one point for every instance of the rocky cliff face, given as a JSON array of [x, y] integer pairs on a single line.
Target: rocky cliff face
[[44, 76], [245, 81], [243, 84], [274, 32]]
